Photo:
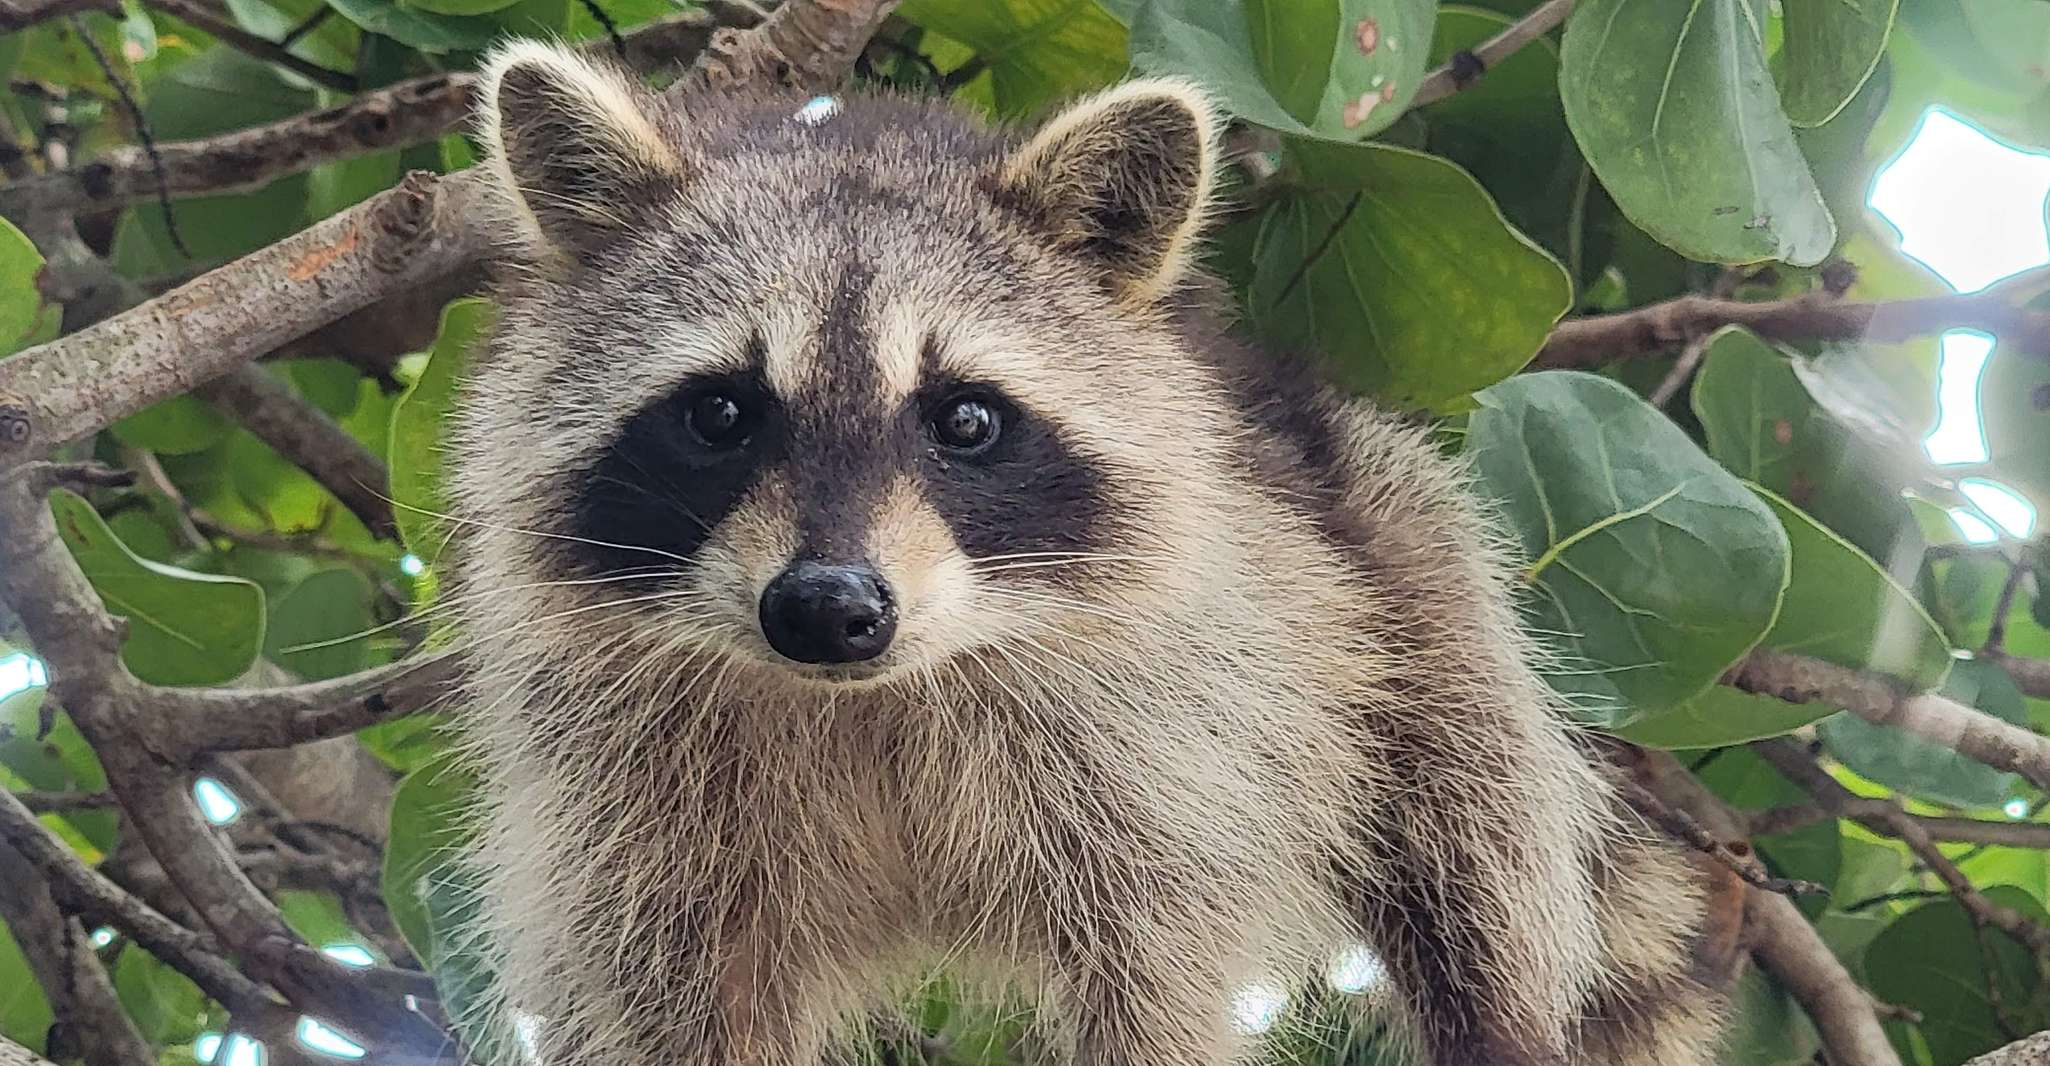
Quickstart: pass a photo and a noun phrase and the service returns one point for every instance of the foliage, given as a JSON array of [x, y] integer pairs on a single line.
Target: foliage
[[1638, 152]]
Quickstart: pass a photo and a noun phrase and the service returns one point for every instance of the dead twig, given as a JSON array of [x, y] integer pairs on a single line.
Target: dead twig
[[1466, 66]]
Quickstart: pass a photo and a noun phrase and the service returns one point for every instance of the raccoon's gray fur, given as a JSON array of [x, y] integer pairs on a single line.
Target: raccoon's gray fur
[[1193, 672]]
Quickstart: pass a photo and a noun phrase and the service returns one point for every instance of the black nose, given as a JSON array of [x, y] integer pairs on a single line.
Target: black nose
[[822, 613]]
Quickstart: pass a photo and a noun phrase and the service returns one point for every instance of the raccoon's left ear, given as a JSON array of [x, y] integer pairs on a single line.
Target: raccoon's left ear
[[1124, 177], [576, 148]]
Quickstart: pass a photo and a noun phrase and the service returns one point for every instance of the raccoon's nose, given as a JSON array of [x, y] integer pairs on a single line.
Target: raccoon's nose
[[824, 613]]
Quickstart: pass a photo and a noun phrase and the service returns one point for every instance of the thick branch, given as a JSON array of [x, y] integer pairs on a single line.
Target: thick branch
[[1467, 67], [250, 718], [807, 45], [61, 956], [119, 717], [1784, 944], [1938, 719], [398, 116], [13, 1054], [2029, 1051], [69, 388], [1598, 339], [80, 890], [312, 441]]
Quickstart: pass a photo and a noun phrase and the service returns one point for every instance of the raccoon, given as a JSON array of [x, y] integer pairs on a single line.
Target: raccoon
[[882, 561]]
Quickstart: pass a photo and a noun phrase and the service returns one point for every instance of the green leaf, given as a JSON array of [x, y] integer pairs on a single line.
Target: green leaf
[[184, 628], [2014, 408], [1842, 607], [57, 761], [318, 918], [1766, 1027], [1760, 422], [409, 743], [1720, 716], [459, 7], [1652, 568], [1341, 70], [429, 818], [334, 187], [320, 629], [21, 305], [1038, 51], [424, 30], [167, 1007], [177, 426], [1933, 959], [419, 425], [218, 90], [1832, 46], [1392, 239], [1928, 770], [25, 1015], [331, 44], [433, 894], [1506, 129], [1675, 110]]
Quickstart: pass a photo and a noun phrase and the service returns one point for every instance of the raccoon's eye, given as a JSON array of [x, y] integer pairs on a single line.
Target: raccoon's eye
[[718, 419], [967, 424]]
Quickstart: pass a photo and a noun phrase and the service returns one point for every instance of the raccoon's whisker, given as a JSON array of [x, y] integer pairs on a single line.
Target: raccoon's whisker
[[449, 603], [535, 533], [665, 500]]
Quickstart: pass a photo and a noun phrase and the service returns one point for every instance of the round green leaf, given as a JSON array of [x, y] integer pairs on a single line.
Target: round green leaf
[[184, 628], [1934, 771], [1933, 959], [1842, 607], [419, 425], [458, 7], [167, 1007], [1038, 51], [320, 629], [25, 1014], [1674, 109], [1720, 716], [180, 425], [1762, 424], [1831, 47], [1336, 69], [421, 29], [21, 306], [1369, 261], [2014, 409], [433, 893], [1652, 569]]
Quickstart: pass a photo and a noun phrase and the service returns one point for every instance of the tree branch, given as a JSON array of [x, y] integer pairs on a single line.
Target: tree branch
[[120, 718], [2029, 1051], [244, 719], [1466, 67], [1887, 818], [2032, 676], [61, 956], [398, 116], [70, 387], [1945, 830], [1938, 719], [1782, 942], [806, 46], [1598, 339], [78, 889], [312, 441], [21, 14]]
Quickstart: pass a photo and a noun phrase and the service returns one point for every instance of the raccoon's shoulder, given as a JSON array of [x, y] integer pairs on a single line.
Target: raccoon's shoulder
[[1371, 479]]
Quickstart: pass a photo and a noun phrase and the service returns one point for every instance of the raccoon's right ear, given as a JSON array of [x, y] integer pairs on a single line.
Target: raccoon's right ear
[[576, 148]]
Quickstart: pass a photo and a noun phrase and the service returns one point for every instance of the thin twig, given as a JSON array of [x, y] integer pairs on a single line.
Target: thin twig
[[1466, 67], [1737, 856], [2018, 571], [401, 115], [142, 133], [312, 441], [2034, 835]]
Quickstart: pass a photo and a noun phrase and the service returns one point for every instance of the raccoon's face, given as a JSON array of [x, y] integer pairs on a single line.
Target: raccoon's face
[[847, 387]]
